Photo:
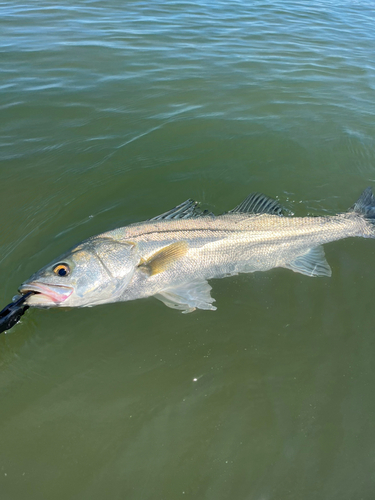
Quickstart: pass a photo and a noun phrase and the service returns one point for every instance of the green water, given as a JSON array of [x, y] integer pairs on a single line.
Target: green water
[[113, 112]]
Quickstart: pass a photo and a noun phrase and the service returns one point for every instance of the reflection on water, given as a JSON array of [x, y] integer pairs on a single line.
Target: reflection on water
[[111, 114]]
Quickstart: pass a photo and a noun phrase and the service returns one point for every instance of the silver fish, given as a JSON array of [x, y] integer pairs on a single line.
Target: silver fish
[[172, 256]]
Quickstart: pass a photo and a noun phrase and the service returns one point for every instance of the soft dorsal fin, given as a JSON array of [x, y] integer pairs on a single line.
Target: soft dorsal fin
[[186, 210], [257, 203], [164, 258], [311, 263]]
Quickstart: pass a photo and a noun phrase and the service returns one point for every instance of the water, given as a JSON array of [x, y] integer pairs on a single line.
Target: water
[[114, 112]]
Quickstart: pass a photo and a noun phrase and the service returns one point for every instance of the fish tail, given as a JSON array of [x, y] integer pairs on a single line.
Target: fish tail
[[365, 206]]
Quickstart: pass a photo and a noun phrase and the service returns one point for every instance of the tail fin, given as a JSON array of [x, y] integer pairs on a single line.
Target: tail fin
[[365, 205]]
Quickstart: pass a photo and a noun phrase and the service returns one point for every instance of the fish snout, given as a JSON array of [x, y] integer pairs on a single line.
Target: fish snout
[[45, 294]]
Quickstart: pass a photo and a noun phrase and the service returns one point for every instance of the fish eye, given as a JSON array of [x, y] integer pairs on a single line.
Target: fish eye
[[61, 269]]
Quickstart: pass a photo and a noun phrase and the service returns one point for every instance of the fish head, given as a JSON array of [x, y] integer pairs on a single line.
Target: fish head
[[94, 272]]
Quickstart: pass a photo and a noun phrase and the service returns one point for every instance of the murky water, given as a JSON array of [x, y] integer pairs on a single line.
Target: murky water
[[113, 112]]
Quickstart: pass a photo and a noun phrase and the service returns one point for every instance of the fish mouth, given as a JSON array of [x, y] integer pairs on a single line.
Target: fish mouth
[[45, 295]]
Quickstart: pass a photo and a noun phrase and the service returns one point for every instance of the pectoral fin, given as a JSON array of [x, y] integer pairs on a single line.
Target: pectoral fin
[[164, 258], [311, 263], [188, 297]]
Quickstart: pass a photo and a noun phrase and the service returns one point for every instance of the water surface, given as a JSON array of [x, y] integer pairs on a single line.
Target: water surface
[[114, 112]]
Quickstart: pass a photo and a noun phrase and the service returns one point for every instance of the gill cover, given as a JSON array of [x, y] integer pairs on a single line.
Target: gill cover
[[97, 271]]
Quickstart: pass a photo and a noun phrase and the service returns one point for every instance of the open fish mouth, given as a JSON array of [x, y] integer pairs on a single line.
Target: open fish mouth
[[45, 295]]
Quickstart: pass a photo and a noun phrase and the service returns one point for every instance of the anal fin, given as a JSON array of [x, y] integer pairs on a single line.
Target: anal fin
[[311, 263], [188, 296]]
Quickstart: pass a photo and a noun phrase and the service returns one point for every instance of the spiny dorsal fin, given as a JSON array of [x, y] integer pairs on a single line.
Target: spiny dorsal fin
[[257, 203], [311, 263], [186, 210], [164, 258]]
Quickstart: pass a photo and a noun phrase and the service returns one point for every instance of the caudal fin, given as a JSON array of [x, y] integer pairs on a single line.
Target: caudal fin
[[365, 205]]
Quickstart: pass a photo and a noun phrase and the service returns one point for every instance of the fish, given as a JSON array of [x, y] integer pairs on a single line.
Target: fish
[[173, 256]]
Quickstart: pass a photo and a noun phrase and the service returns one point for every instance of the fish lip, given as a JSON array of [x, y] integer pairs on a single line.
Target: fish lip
[[55, 294]]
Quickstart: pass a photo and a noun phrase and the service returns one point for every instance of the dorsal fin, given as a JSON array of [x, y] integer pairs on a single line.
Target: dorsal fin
[[257, 203], [186, 210]]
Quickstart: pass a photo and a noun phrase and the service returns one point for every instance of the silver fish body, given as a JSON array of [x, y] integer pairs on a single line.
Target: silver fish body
[[172, 256]]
